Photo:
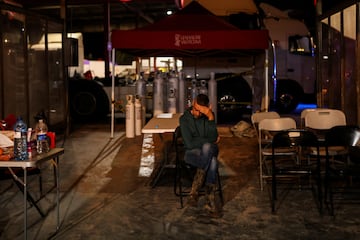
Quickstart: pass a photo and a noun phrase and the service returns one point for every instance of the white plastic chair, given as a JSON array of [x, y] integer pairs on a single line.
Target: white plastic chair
[[306, 111], [322, 120], [265, 127], [255, 119], [258, 116]]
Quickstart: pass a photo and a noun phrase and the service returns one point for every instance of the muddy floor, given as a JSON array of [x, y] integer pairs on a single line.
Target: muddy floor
[[103, 197]]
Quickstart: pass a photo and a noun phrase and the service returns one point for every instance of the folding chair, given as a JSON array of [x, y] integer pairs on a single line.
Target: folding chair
[[258, 116], [266, 128], [342, 174], [320, 121], [298, 141], [185, 171], [323, 119], [306, 111]]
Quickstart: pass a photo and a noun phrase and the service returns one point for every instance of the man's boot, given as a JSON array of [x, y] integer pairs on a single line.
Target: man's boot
[[196, 185], [214, 209]]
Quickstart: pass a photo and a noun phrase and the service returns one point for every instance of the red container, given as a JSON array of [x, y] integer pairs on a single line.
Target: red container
[[51, 136]]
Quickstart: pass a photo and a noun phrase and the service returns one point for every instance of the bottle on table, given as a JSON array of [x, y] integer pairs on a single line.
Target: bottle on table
[[28, 141], [20, 140], [42, 144]]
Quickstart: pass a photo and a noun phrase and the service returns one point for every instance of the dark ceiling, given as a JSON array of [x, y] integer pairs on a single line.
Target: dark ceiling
[[90, 16]]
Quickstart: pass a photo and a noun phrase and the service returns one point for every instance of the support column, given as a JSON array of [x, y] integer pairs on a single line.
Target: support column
[[107, 51], [357, 63]]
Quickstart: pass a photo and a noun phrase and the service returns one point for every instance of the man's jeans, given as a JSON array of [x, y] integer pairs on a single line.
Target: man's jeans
[[206, 159]]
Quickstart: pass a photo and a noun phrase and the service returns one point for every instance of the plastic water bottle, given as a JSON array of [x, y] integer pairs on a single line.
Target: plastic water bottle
[[20, 140], [42, 144]]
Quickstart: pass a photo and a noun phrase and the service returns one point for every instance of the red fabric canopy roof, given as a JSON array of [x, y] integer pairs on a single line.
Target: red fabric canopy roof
[[193, 31]]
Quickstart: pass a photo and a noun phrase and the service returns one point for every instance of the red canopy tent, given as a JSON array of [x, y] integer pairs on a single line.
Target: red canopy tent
[[192, 31]]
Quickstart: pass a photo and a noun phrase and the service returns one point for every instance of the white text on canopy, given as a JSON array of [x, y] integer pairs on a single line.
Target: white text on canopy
[[187, 39]]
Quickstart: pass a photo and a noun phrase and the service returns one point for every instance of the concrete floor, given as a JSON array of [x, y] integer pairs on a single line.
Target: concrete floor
[[102, 197]]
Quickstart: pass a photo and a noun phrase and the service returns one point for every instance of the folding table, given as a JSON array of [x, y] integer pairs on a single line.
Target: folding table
[[162, 123], [53, 154]]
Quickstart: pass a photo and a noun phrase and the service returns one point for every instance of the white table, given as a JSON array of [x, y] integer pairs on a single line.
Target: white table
[[164, 124], [35, 161], [160, 125]]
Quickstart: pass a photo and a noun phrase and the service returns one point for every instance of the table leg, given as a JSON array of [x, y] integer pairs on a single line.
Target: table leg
[[162, 163], [57, 194], [25, 203], [23, 188]]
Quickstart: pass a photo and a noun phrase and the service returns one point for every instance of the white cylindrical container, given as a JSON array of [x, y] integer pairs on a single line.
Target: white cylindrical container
[[130, 117], [141, 86], [173, 86], [141, 92], [172, 105], [188, 100], [181, 93], [203, 89], [194, 90], [158, 94], [213, 93], [138, 115]]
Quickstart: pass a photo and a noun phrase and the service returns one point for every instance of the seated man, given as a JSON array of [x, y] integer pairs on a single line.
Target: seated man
[[200, 136]]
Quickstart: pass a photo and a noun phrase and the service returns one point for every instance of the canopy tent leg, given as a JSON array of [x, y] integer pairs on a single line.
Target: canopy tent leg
[[266, 80], [112, 94]]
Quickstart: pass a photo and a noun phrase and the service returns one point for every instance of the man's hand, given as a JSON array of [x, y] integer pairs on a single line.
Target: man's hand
[[205, 110]]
